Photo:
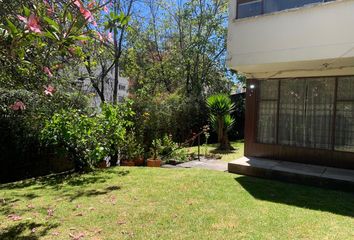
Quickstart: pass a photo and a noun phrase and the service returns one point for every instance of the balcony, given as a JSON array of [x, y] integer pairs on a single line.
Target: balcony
[[291, 40]]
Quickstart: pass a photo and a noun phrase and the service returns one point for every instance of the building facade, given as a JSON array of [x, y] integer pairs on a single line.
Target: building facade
[[298, 57], [86, 85]]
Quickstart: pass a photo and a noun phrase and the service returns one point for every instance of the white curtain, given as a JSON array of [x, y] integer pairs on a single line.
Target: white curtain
[[267, 112], [344, 140], [306, 112]]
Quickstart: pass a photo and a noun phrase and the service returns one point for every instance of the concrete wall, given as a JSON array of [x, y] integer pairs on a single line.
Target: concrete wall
[[315, 40]]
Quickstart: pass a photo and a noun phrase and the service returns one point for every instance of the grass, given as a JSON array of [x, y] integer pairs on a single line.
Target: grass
[[226, 156], [146, 203]]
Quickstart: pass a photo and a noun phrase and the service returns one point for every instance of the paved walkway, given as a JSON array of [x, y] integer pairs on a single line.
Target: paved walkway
[[204, 163], [294, 172]]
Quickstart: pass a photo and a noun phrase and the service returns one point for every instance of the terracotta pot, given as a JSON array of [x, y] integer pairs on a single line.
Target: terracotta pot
[[151, 162], [127, 163], [102, 164], [139, 161]]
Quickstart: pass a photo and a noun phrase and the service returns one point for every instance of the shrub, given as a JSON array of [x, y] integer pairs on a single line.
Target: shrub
[[170, 151], [131, 148], [20, 130], [220, 107], [89, 139]]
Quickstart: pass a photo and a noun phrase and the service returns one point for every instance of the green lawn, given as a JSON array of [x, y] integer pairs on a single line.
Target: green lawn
[[146, 203], [226, 156]]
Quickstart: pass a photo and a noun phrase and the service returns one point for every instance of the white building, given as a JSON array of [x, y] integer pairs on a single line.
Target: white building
[[123, 87], [298, 56]]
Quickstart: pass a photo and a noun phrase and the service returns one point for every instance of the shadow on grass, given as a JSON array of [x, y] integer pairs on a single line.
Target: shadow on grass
[[72, 179], [91, 193], [299, 195], [222, 152], [26, 230]]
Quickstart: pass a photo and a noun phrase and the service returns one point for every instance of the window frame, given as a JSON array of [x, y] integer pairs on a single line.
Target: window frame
[[334, 115], [240, 2]]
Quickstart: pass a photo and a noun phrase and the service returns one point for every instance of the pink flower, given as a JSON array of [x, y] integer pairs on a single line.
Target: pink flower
[[85, 12], [33, 24], [47, 71], [18, 105], [105, 8], [100, 37], [110, 37], [78, 3], [21, 18], [49, 90], [94, 23], [50, 9]]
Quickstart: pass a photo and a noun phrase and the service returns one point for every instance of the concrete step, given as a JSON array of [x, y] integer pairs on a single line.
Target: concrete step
[[322, 176]]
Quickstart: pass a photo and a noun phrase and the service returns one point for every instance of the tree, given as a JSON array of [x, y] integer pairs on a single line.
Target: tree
[[103, 55], [220, 108]]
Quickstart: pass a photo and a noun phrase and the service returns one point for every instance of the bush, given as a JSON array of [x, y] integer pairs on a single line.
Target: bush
[[22, 116], [131, 149], [170, 151], [89, 139]]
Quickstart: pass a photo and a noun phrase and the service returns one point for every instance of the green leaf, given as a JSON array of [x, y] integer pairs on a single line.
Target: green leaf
[[12, 27], [80, 37], [52, 23], [70, 17], [26, 11]]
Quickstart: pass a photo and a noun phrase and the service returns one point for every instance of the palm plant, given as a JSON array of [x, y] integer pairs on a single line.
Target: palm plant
[[220, 108]]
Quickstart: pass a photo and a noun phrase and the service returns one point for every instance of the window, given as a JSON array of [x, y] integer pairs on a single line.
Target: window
[[249, 8], [309, 112], [306, 112], [121, 87], [344, 140], [267, 115]]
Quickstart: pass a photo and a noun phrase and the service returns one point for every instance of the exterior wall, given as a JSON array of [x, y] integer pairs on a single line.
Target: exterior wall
[[109, 84], [315, 40], [281, 152]]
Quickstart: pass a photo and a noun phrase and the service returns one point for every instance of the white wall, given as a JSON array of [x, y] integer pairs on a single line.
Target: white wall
[[316, 40], [109, 85]]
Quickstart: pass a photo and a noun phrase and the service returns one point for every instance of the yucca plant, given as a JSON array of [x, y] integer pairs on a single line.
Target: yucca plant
[[220, 109]]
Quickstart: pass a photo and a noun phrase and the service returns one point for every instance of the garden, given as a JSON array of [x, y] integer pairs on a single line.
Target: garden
[[81, 160]]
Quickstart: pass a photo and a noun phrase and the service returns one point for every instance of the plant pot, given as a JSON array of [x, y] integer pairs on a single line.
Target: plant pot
[[151, 162], [102, 164], [139, 161], [127, 163]]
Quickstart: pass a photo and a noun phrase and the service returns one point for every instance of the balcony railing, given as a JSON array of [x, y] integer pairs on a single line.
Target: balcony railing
[[250, 8]]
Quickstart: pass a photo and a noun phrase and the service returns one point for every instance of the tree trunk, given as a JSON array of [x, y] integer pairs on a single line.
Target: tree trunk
[[223, 139]]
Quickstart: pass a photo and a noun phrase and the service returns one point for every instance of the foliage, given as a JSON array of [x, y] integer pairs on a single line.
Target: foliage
[[176, 57], [180, 48], [89, 139], [171, 150], [38, 39], [131, 148], [156, 148], [221, 107], [20, 127]]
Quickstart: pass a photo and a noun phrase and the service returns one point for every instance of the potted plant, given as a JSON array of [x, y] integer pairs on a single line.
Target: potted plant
[[128, 151], [155, 161], [139, 155]]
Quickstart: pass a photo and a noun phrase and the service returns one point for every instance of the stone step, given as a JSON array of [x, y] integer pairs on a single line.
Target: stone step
[[322, 176]]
